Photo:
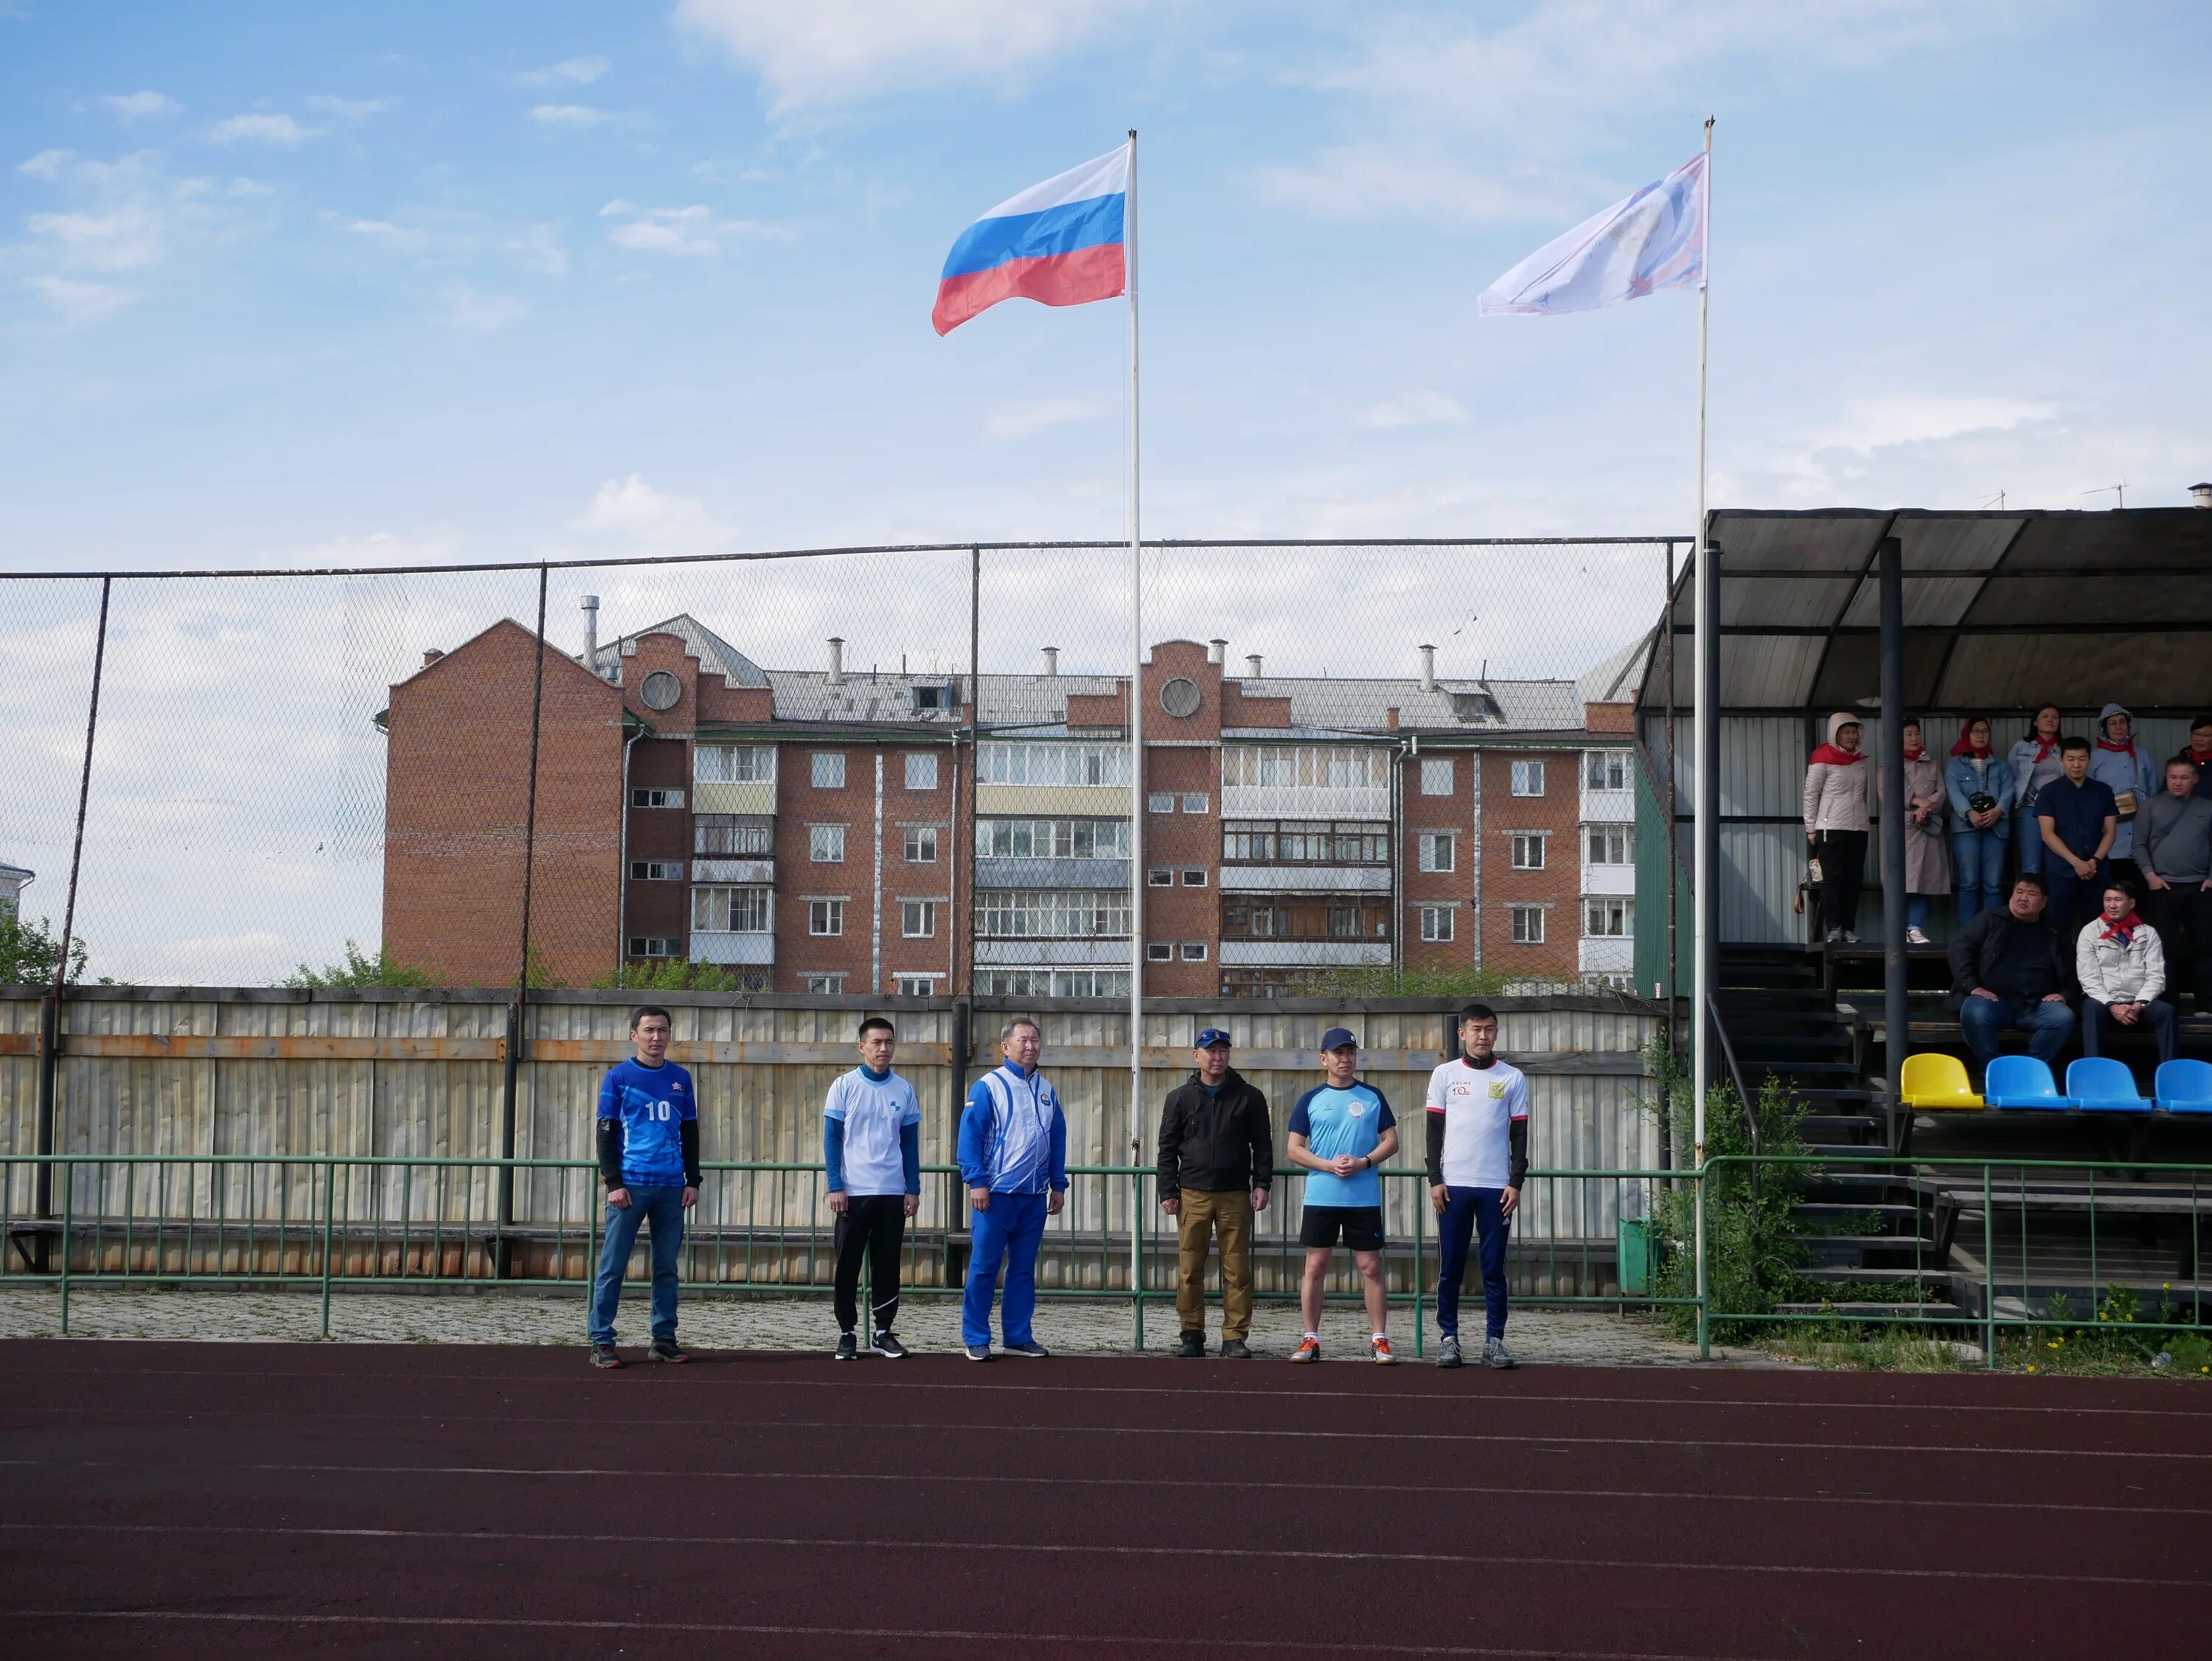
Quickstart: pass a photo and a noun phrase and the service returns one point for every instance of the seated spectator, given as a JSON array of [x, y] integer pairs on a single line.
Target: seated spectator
[[2175, 852], [2126, 770], [2199, 753], [1979, 834], [1836, 824], [2034, 763], [1927, 861], [2010, 968], [2078, 818], [2122, 968]]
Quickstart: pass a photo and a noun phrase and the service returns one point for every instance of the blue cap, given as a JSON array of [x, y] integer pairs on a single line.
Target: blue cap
[[1337, 1037], [1209, 1038]]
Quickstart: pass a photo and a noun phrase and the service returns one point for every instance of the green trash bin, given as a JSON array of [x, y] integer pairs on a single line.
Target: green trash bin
[[1635, 1258]]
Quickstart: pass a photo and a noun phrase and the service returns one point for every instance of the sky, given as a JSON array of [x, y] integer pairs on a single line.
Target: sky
[[396, 283]]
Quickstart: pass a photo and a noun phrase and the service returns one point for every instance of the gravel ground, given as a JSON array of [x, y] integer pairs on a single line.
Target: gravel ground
[[1578, 1337]]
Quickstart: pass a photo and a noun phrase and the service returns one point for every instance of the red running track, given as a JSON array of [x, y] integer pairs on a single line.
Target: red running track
[[242, 1501]]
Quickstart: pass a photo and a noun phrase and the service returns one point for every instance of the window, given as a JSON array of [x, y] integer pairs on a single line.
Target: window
[[656, 871], [732, 835], [1609, 917], [1608, 769], [1436, 850], [1160, 801], [1158, 951], [1302, 842], [1316, 766], [918, 920], [1001, 762], [824, 985], [1528, 850], [916, 985], [1193, 951], [945, 696], [1194, 876], [921, 845], [1053, 983], [828, 769], [1436, 922], [825, 917], [720, 908], [1528, 925], [653, 945], [733, 764], [1196, 800], [1052, 914], [825, 844], [1344, 922], [922, 769], [1527, 777], [1052, 839], [656, 798], [1159, 877], [1609, 846], [1436, 776]]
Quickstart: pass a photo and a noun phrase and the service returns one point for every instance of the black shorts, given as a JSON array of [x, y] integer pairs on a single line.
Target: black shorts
[[1361, 1226]]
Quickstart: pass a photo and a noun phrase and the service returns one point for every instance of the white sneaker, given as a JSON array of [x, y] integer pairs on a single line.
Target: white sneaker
[[1835, 936], [1850, 937], [1915, 937]]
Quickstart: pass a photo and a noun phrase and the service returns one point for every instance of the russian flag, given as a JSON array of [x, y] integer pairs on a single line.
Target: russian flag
[[1061, 243]]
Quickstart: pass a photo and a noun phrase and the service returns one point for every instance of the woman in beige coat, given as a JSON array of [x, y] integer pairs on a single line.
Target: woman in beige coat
[[1836, 824], [1927, 856]]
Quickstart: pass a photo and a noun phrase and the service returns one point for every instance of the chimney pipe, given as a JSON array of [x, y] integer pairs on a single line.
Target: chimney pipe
[[431, 655], [1428, 669], [1252, 667], [1217, 651], [2201, 494], [591, 606], [836, 660], [1052, 660], [1390, 719]]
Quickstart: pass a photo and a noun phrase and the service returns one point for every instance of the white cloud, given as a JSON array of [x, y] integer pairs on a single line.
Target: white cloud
[[149, 106], [407, 238], [1020, 421], [569, 115], [692, 232], [260, 130], [569, 72], [1866, 425], [248, 187], [468, 308], [630, 515], [127, 236], [79, 301], [836, 51], [1417, 408], [538, 248], [348, 109], [47, 165]]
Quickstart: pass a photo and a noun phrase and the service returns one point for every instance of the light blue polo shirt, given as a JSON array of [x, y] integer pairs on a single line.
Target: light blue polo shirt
[[1347, 1121]]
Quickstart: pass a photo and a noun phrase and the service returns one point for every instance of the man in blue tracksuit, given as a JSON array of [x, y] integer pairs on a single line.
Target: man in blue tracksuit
[[1013, 1157], [648, 1148]]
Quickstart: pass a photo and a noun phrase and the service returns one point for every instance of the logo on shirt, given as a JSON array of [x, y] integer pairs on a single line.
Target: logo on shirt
[[1497, 1091], [678, 1089], [1357, 1109]]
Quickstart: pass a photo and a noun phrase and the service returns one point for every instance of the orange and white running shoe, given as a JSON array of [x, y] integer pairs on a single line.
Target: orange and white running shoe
[[1308, 1349], [1382, 1349]]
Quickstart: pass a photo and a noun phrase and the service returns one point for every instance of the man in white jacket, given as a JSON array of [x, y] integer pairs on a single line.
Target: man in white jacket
[[2121, 965]]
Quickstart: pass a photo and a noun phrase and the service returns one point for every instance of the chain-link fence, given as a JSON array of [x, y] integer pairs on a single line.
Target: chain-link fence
[[896, 772]]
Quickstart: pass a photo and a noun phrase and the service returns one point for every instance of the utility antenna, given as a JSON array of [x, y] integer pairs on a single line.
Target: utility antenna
[[2119, 492], [1997, 501]]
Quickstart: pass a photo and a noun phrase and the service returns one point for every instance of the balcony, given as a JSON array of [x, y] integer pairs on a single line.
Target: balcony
[[756, 871], [995, 872], [1305, 879], [1052, 954], [721, 946], [1300, 953], [1611, 954], [1305, 802]]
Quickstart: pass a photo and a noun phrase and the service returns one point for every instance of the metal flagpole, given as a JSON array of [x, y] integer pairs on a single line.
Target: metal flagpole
[[1705, 747], [1136, 793]]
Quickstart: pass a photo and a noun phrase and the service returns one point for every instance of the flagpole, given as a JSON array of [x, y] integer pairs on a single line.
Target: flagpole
[[1136, 792], [1703, 845]]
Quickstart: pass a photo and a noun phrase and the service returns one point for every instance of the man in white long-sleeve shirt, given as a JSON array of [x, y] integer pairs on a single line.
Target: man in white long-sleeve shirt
[[2121, 964]]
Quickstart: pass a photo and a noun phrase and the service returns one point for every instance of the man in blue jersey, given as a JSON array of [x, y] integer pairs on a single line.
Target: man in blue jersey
[[1013, 1157], [1478, 1159], [648, 1148], [1340, 1132], [871, 1148]]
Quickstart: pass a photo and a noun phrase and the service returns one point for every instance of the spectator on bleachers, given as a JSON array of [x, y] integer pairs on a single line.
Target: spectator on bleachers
[[1836, 824], [2199, 753], [2122, 967], [2175, 853], [1927, 861], [2125, 767], [2035, 763], [2078, 818], [1979, 834], [2010, 968]]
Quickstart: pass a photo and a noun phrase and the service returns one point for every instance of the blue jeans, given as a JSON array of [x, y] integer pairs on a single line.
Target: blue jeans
[[664, 1209], [2031, 840], [1916, 911], [2073, 900], [1471, 1211], [1977, 859], [2048, 1026], [1009, 1232]]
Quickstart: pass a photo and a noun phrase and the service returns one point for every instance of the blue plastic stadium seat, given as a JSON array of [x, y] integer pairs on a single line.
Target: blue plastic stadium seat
[[2185, 1086], [2099, 1084], [2023, 1082]]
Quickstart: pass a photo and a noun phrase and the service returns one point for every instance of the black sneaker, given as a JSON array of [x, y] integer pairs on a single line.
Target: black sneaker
[[888, 1346], [603, 1355], [1032, 1348], [665, 1349], [1233, 1350], [848, 1348], [1190, 1347]]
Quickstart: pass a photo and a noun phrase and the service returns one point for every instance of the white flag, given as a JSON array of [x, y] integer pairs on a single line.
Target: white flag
[[1647, 242]]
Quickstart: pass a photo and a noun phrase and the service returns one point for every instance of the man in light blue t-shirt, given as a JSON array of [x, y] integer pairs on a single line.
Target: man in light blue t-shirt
[[1340, 1132]]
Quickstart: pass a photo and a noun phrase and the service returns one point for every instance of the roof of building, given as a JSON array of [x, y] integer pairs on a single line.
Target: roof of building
[[15, 873], [715, 655]]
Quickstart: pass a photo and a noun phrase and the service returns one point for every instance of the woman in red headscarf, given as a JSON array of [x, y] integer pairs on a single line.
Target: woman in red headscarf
[[1981, 786], [2034, 764], [1836, 824]]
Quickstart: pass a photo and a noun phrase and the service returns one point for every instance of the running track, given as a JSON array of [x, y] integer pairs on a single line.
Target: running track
[[242, 1500]]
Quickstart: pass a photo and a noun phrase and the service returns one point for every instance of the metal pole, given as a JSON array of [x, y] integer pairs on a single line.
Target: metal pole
[[518, 1026], [1704, 746], [1894, 1017], [967, 923], [1136, 785], [1674, 858]]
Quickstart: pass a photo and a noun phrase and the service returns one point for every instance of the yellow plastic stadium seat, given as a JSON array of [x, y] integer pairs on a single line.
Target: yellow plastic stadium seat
[[1937, 1083]]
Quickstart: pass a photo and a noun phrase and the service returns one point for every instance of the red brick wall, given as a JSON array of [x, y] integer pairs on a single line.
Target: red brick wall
[[1559, 885], [1454, 813], [1182, 756], [904, 880], [799, 806]]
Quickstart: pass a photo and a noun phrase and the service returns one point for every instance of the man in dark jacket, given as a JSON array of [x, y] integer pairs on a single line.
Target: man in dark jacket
[[1217, 1163], [2011, 969]]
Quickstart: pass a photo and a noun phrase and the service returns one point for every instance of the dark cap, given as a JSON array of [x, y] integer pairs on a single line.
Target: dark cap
[[1337, 1037], [1209, 1038]]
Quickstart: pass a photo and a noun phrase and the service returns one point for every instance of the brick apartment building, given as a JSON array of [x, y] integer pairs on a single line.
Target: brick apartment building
[[823, 831]]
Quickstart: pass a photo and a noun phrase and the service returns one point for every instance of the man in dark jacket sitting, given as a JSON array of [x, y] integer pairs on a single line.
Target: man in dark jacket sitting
[[1217, 1163], [2010, 968]]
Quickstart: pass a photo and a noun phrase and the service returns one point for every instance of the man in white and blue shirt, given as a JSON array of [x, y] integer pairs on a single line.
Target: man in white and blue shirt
[[872, 1151], [1013, 1157], [1478, 1160], [648, 1149], [1340, 1132]]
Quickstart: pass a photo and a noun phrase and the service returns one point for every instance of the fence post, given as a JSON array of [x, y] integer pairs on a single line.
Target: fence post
[[1420, 1257], [50, 1032], [1705, 1302], [955, 1210], [503, 1203], [330, 1204], [1137, 1215], [1990, 1276], [68, 1210]]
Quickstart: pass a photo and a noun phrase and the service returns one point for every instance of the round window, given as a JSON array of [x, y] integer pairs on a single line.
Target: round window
[[1179, 697], [661, 690]]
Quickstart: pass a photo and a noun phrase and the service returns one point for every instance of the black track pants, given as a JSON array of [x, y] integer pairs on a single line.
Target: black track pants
[[874, 1225]]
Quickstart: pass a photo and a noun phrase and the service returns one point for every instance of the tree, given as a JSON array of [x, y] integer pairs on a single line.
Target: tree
[[27, 951], [360, 970]]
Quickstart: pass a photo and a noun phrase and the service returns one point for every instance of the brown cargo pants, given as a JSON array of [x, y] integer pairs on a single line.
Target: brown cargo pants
[[1203, 1215]]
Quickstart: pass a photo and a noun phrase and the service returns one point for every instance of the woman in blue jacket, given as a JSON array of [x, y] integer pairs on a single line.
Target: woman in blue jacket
[[2034, 764], [1976, 773]]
